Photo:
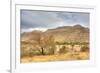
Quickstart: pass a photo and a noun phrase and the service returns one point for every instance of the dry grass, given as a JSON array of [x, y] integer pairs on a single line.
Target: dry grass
[[58, 57]]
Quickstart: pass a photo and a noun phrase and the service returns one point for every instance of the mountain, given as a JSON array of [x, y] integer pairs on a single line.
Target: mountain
[[75, 33]]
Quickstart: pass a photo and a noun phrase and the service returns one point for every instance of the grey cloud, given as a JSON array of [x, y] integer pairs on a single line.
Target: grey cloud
[[47, 19], [38, 19]]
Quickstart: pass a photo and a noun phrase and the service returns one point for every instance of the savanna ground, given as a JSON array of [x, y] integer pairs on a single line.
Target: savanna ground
[[57, 57], [47, 50]]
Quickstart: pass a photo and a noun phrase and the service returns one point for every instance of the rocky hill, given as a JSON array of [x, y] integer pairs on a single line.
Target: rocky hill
[[75, 33]]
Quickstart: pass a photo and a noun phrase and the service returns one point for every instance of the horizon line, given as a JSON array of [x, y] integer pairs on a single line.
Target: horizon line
[[45, 29]]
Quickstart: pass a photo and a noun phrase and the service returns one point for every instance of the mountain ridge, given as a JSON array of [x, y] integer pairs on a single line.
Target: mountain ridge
[[65, 33]]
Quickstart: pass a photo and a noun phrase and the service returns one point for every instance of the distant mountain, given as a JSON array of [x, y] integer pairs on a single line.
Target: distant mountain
[[75, 33]]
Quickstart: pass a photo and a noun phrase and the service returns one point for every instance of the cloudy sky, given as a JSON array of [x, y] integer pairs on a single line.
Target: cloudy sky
[[43, 20]]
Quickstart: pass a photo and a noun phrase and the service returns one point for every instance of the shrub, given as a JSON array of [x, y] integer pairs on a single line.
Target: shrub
[[49, 51], [63, 50], [84, 48]]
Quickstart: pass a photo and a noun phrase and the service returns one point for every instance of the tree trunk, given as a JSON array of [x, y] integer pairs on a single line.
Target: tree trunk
[[42, 51]]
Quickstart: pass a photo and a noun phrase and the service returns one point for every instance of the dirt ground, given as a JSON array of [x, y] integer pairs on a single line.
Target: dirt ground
[[58, 57]]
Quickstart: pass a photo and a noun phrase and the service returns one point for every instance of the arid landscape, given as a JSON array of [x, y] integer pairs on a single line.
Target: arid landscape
[[65, 43]]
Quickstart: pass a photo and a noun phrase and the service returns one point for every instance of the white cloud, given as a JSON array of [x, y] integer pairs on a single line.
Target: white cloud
[[57, 24], [32, 29]]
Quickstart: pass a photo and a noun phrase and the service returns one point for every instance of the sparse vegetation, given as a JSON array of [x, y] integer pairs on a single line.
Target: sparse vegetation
[[62, 50], [85, 49], [47, 47], [48, 50]]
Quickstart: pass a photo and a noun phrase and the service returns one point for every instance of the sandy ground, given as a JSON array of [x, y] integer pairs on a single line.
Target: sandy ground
[[58, 57]]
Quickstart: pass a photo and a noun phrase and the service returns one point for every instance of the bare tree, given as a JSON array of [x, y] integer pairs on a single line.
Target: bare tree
[[47, 44]]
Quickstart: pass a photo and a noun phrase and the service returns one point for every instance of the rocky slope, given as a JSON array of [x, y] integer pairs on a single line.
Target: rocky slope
[[75, 33]]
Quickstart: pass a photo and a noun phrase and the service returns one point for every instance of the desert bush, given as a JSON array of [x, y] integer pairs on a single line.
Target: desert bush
[[23, 54], [34, 52], [30, 52], [63, 50], [49, 51], [84, 48]]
